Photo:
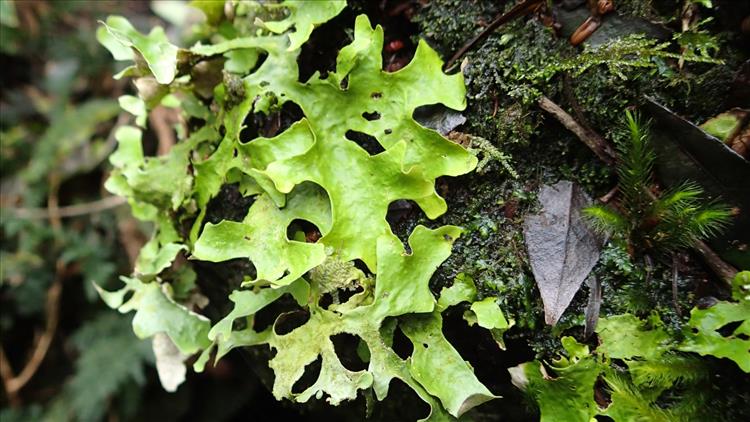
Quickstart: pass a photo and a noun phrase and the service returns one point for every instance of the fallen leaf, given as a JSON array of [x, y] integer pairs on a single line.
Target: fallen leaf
[[686, 152], [562, 249]]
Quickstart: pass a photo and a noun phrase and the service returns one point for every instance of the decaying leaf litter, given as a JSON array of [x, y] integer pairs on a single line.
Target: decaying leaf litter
[[514, 275], [562, 248]]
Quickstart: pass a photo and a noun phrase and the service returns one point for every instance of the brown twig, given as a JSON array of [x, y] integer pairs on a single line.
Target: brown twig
[[6, 373], [609, 195], [725, 271], [70, 210], [521, 9], [593, 140], [573, 102], [162, 119], [688, 16], [606, 153], [649, 264], [53, 209], [14, 383], [131, 238], [52, 308]]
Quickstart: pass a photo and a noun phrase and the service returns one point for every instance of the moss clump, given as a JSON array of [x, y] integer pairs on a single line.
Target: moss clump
[[505, 76]]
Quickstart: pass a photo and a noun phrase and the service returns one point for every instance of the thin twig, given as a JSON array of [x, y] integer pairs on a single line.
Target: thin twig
[[53, 208], [649, 268], [573, 102], [606, 153], [518, 10], [609, 195], [131, 238], [70, 210], [52, 305], [161, 119], [676, 304], [42, 345], [725, 271], [593, 140], [6, 373]]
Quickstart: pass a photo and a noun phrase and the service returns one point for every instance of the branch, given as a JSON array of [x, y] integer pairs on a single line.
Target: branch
[[725, 271], [593, 140], [70, 210], [520, 9], [6, 373], [14, 383], [604, 151]]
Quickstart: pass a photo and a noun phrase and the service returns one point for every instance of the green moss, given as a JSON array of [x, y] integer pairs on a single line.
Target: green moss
[[503, 83], [641, 8], [505, 73], [447, 24]]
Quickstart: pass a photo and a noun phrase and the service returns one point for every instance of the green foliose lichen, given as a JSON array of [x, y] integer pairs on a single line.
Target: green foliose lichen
[[311, 171], [658, 380]]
